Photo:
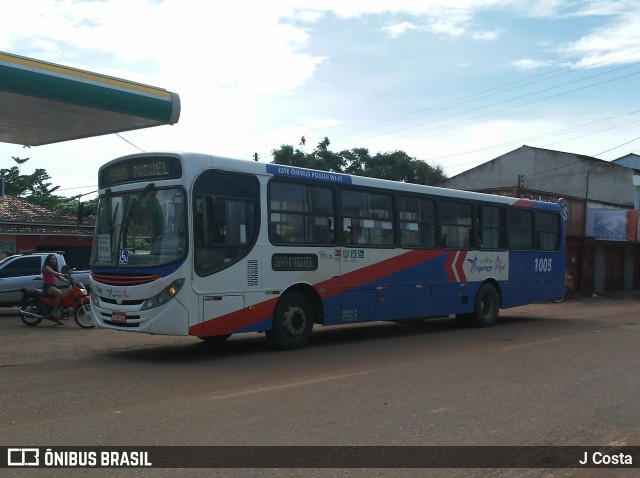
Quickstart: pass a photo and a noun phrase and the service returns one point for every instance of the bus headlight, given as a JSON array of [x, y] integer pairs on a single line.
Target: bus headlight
[[163, 297]]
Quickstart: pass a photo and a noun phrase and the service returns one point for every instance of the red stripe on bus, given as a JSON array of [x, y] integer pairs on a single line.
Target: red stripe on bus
[[459, 263], [448, 267], [261, 311], [524, 203]]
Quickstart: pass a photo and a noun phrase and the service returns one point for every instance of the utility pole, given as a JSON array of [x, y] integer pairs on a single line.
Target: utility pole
[[520, 185]]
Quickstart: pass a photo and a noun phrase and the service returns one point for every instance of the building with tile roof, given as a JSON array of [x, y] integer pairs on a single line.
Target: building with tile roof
[[27, 227], [594, 194]]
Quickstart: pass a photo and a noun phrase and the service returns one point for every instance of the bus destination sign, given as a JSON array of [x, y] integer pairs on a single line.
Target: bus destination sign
[[140, 169], [294, 262]]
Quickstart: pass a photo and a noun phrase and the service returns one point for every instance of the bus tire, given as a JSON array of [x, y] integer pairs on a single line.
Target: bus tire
[[292, 322], [487, 306]]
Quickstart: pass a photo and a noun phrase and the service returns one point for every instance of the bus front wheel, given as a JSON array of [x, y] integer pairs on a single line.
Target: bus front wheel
[[486, 306], [292, 322]]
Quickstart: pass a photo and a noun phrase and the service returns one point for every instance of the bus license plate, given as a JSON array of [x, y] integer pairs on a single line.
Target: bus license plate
[[118, 316]]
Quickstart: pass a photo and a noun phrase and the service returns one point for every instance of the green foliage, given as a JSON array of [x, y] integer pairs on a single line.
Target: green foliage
[[33, 187], [396, 165], [85, 210], [37, 189]]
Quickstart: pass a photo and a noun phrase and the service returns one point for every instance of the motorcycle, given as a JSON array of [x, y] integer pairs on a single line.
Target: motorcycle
[[37, 306]]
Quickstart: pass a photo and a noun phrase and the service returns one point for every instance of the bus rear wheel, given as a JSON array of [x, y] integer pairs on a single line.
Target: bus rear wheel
[[292, 322], [487, 306]]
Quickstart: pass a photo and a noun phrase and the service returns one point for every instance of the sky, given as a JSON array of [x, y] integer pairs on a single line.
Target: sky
[[455, 83]]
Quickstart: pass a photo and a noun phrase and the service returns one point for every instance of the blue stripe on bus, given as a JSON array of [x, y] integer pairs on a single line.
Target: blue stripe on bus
[[160, 270], [414, 284]]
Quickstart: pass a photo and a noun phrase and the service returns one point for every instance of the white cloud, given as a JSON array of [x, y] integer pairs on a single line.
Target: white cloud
[[238, 66], [530, 64], [606, 7], [399, 28], [230, 46], [486, 35], [615, 43]]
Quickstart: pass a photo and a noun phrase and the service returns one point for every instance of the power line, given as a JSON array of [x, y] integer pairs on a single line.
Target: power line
[[124, 139], [493, 92], [510, 107], [79, 187], [619, 146], [524, 140]]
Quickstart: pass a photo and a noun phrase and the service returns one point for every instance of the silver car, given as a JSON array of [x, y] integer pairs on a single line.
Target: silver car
[[17, 272]]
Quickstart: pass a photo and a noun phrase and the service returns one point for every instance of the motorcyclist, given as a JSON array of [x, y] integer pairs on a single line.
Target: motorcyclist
[[50, 274]]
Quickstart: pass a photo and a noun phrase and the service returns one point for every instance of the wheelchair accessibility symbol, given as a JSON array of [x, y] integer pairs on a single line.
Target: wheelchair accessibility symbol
[[124, 256]]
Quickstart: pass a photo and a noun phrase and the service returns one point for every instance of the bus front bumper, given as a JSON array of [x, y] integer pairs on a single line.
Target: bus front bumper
[[171, 318]]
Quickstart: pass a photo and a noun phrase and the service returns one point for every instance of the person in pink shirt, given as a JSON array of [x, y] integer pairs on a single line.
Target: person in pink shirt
[[50, 275]]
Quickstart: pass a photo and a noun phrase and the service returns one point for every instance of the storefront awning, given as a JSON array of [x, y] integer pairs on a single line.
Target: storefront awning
[[43, 103]]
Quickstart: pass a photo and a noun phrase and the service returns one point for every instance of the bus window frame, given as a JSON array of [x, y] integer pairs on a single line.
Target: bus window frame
[[435, 224], [470, 227], [314, 184], [250, 245], [368, 190]]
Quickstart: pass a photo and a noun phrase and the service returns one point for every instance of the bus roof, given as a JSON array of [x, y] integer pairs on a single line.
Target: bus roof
[[201, 160]]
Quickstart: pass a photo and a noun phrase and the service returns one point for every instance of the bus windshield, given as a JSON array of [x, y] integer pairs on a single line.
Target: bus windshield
[[142, 228]]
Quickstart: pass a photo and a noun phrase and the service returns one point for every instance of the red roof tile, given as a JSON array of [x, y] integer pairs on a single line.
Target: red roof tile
[[18, 216]]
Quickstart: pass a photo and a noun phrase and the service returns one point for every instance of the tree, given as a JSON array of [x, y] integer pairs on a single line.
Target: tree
[[33, 187], [36, 189], [286, 155], [396, 165], [75, 206]]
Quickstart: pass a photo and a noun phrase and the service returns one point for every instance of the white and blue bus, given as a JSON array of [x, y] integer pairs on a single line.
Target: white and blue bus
[[193, 244]]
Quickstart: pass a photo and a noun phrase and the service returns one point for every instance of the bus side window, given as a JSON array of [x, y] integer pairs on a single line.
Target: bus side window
[[300, 213], [219, 222], [368, 218], [455, 220], [520, 230], [418, 225], [547, 226], [225, 219], [491, 227]]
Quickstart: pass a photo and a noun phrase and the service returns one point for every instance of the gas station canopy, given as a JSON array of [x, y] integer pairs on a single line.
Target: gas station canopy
[[43, 103]]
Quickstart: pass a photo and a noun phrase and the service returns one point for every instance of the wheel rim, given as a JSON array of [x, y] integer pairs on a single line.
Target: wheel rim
[[32, 309], [294, 321], [83, 316], [486, 306]]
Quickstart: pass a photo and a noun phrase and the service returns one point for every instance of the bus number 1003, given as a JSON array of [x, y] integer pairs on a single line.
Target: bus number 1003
[[543, 265]]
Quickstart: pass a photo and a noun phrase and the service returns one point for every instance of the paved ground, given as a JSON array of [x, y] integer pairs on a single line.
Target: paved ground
[[546, 374]]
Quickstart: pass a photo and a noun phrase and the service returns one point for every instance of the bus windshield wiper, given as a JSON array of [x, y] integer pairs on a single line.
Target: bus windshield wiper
[[132, 209]]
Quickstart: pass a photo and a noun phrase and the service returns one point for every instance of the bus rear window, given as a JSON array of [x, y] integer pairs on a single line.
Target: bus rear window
[[548, 231]]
